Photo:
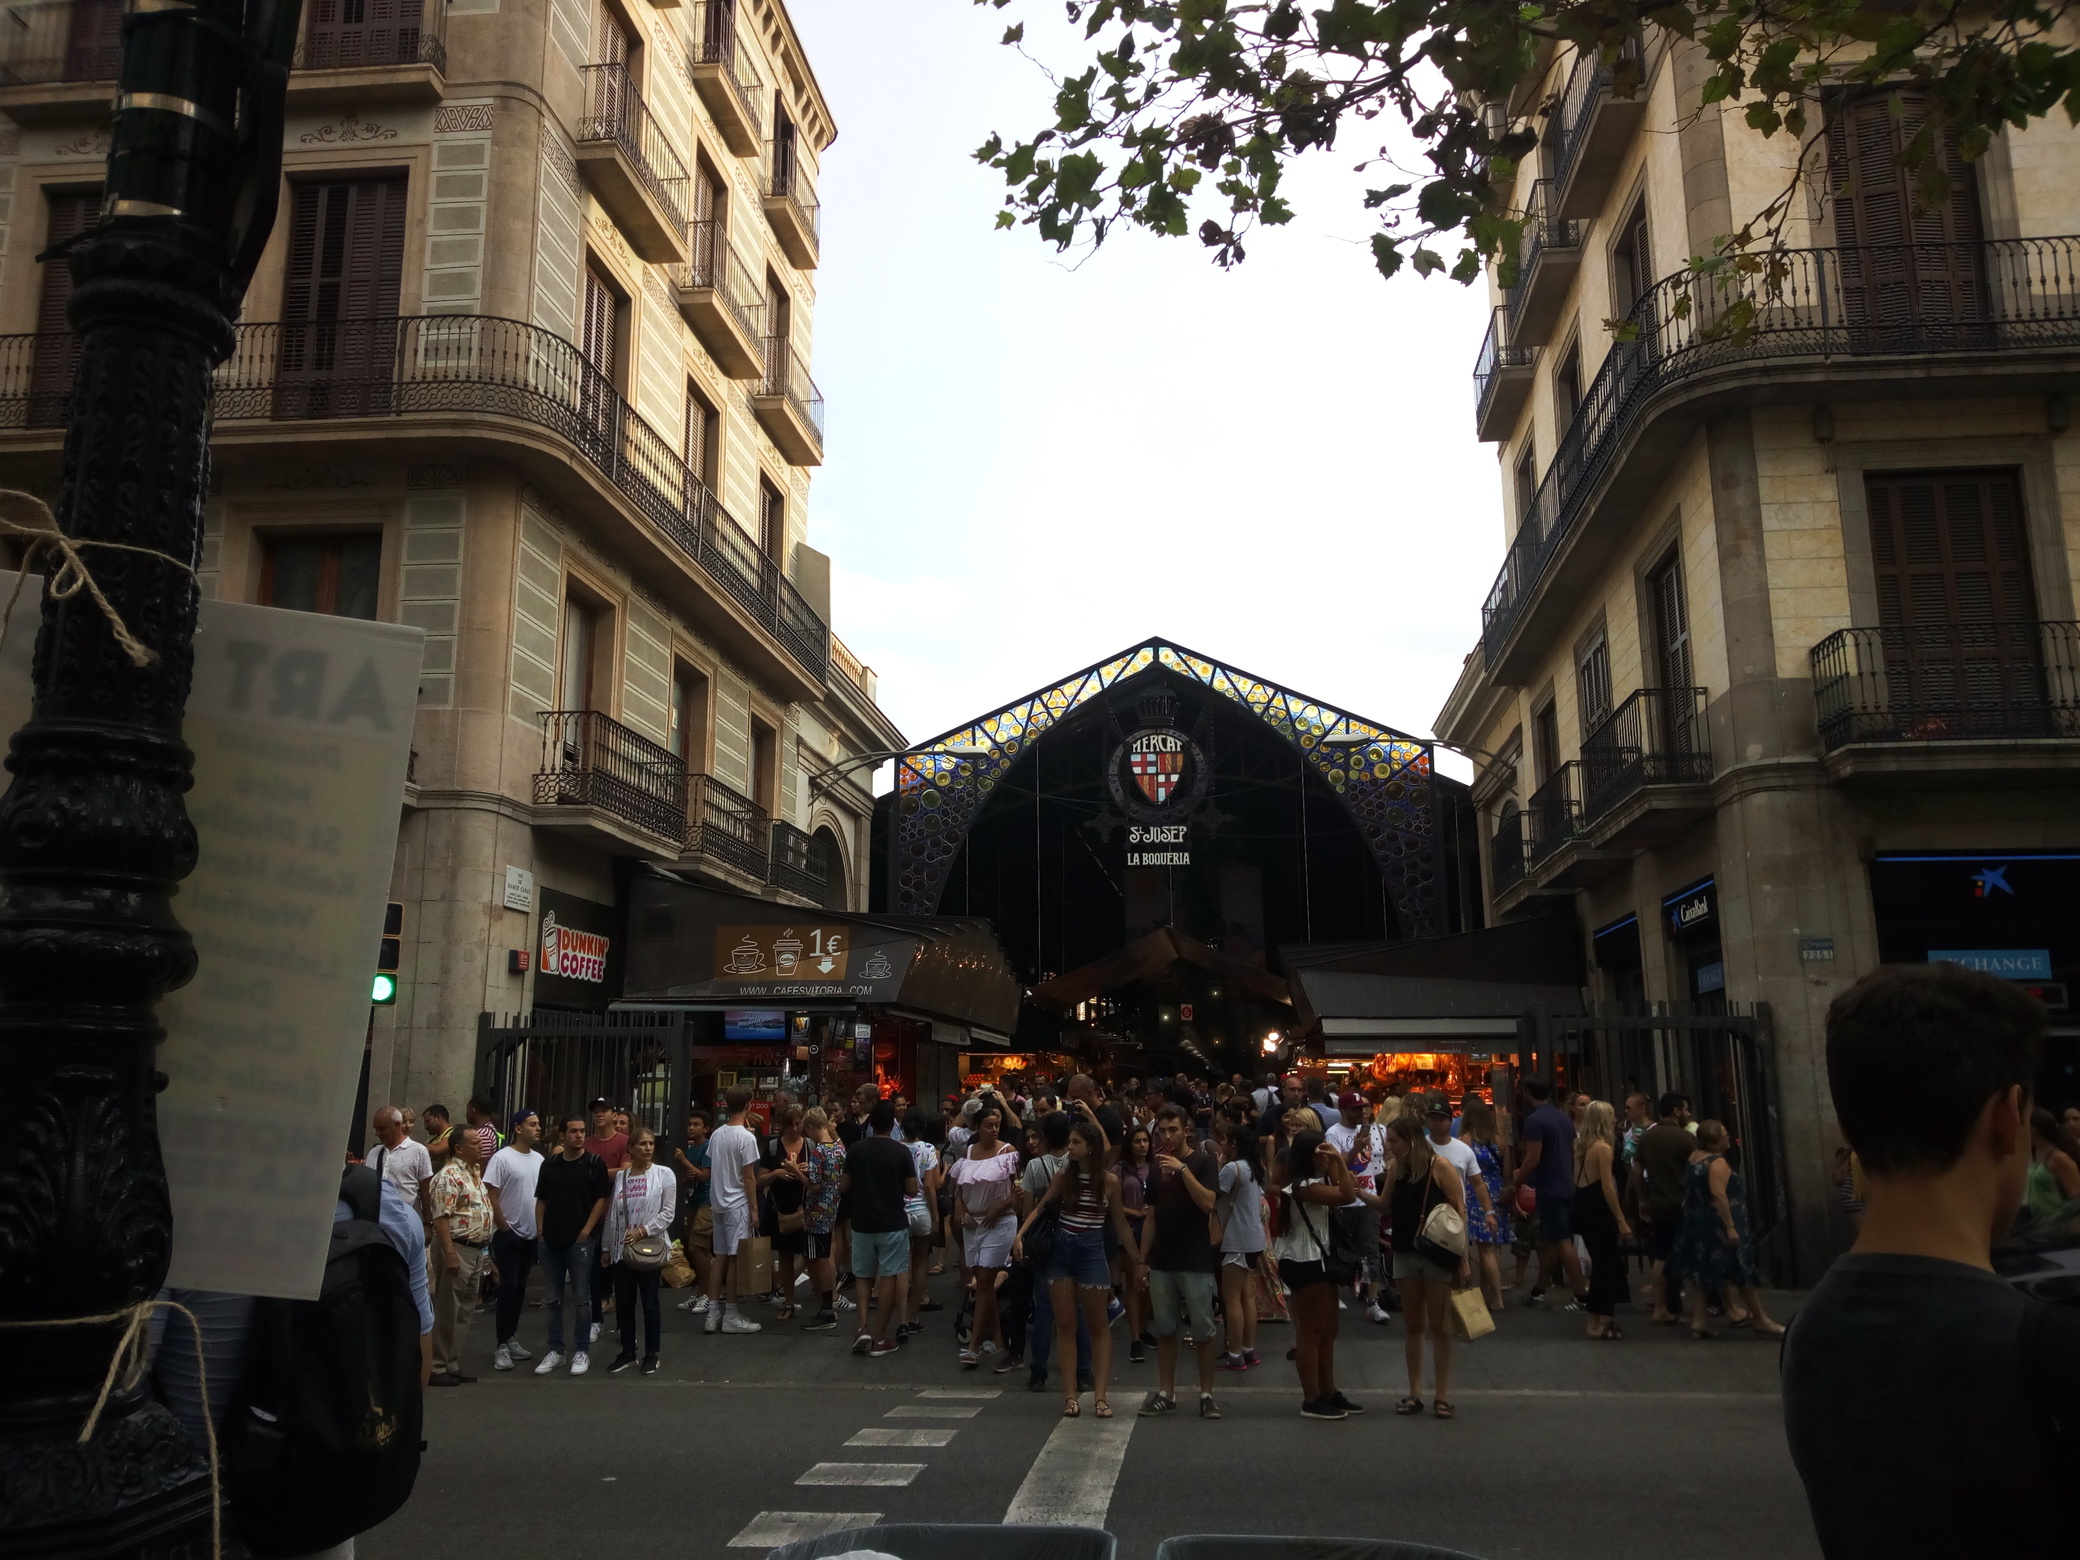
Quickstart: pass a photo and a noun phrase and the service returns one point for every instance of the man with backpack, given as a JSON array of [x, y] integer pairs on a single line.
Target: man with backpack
[[570, 1201]]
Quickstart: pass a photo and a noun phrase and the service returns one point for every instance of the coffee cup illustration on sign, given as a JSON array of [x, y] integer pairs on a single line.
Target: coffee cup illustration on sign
[[878, 968], [787, 952], [745, 959]]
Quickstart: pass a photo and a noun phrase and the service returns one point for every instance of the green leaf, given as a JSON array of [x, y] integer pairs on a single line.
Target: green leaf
[[1015, 34]]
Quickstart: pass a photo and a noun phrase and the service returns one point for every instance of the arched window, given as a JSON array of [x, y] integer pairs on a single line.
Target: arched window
[[837, 891]]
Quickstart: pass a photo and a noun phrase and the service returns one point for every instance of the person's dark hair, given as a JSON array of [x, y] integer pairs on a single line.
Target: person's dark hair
[[882, 1118], [1241, 1146], [1180, 1094], [1673, 1101], [702, 1117], [1297, 1165], [1177, 1113], [735, 1100], [563, 1123], [918, 1124], [1054, 1131], [481, 1106], [1914, 1052], [436, 1110], [1093, 1138], [1538, 1089], [2053, 1131], [1147, 1154]]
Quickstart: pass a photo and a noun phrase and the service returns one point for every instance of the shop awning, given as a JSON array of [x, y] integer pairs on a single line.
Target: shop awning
[[1464, 993]]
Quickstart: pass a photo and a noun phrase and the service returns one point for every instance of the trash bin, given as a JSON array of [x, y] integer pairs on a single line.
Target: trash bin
[[963, 1541], [1240, 1546]]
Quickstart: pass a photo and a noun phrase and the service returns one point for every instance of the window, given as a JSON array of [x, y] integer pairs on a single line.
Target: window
[[1592, 680], [1545, 741], [1567, 385], [1950, 547], [779, 333], [1632, 263], [346, 250], [1527, 491], [57, 349], [336, 575], [343, 34], [616, 47], [772, 519], [603, 325], [1883, 284], [703, 430], [580, 652], [689, 718], [1671, 624], [765, 752]]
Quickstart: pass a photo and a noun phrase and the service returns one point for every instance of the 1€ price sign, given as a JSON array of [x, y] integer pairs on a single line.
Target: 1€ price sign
[[782, 953]]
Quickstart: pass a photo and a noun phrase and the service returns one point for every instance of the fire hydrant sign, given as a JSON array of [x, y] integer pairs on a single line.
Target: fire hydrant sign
[[302, 729]]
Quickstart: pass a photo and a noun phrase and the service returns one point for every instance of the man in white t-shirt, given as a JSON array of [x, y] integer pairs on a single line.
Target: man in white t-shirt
[[733, 1155], [1458, 1155], [405, 1164], [1363, 1144], [510, 1179]]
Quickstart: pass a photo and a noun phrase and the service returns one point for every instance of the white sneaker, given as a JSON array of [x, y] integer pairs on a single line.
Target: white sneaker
[[503, 1359], [1373, 1313], [696, 1305], [549, 1362], [714, 1321], [733, 1323], [594, 1336], [519, 1353], [581, 1362], [801, 1280], [846, 1303]]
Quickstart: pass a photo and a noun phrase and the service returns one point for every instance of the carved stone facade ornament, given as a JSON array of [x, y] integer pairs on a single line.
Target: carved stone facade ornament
[[610, 236], [305, 479], [465, 116], [433, 477], [348, 131], [94, 143], [10, 142]]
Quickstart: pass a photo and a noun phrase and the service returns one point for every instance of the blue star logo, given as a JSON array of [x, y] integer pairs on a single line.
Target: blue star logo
[[1987, 879]]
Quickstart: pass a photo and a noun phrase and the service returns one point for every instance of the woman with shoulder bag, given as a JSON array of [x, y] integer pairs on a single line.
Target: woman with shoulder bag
[[1425, 1194], [638, 1244], [783, 1180], [1313, 1182]]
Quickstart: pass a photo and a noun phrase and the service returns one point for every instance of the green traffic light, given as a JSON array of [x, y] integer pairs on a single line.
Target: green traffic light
[[385, 990]]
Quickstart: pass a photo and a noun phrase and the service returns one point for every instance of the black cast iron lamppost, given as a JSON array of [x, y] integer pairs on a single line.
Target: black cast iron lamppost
[[94, 835]]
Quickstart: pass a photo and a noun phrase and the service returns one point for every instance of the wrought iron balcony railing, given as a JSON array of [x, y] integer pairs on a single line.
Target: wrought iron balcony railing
[[615, 111], [1589, 79], [1543, 231], [1506, 853], [1496, 356], [788, 375], [1947, 682], [798, 863], [2003, 295], [712, 40], [1555, 814], [60, 40], [441, 364], [789, 181], [1656, 737], [592, 760], [717, 264], [359, 34], [727, 827]]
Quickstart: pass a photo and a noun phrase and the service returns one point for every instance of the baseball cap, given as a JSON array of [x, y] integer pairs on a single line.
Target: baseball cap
[[518, 1117], [602, 1100], [1437, 1106], [1350, 1100]]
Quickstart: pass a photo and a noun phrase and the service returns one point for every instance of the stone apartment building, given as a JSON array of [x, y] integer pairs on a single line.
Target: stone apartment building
[[1780, 678], [525, 365]]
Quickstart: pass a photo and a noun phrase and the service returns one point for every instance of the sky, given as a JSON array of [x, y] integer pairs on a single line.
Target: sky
[[1034, 460]]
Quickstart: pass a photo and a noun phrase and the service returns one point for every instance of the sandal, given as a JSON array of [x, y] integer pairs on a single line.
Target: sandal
[[1443, 1410], [1409, 1405], [1773, 1330], [1072, 1409], [1101, 1409], [1610, 1334]]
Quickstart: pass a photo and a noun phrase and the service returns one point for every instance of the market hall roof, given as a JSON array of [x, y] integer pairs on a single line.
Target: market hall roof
[[1386, 779]]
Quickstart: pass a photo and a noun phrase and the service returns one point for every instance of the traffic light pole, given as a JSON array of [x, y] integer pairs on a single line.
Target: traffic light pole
[[94, 835]]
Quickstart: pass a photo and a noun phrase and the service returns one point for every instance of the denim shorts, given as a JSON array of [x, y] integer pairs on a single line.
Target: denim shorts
[[1079, 1255], [881, 1255], [1173, 1296], [1555, 1218]]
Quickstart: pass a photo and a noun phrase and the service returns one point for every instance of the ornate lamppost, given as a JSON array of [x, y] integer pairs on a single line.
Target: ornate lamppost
[[94, 834]]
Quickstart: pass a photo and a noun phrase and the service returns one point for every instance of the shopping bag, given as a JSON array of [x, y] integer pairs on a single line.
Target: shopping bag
[[755, 1266], [1469, 1314], [1270, 1296], [677, 1273]]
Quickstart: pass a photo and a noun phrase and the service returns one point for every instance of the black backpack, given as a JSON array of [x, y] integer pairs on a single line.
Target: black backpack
[[323, 1437]]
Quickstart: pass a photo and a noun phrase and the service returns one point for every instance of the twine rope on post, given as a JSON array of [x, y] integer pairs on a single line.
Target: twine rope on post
[[72, 574], [128, 1363]]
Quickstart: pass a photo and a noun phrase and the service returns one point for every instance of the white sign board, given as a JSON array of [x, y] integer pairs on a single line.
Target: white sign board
[[302, 728], [519, 889]]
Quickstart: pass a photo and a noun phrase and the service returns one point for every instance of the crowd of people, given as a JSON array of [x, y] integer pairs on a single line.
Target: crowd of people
[[1195, 1212]]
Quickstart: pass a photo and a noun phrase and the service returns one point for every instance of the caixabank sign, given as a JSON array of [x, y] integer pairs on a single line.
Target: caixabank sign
[[577, 952]]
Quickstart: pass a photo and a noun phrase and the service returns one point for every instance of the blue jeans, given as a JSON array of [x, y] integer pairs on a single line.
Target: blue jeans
[[1040, 1336], [575, 1261]]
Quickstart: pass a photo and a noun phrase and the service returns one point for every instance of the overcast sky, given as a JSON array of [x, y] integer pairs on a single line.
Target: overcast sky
[[1035, 460]]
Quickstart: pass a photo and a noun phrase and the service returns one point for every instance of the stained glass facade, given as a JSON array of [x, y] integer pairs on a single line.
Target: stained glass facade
[[1385, 782]]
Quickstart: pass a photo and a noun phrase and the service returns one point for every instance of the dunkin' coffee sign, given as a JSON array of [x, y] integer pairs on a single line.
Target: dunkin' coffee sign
[[573, 954]]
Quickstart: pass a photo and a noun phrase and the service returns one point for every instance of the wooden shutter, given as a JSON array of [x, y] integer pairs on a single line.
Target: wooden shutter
[[1956, 603], [345, 34], [1671, 625], [57, 349], [1908, 278], [339, 309], [700, 424], [598, 324], [94, 40]]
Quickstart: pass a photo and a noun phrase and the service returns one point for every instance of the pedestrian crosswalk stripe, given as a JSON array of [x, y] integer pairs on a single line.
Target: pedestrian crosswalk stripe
[[919, 1411], [862, 1473], [986, 1394], [1070, 1482], [871, 1437], [770, 1529]]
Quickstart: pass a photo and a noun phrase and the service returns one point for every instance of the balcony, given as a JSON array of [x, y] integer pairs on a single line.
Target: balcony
[[1506, 856], [1551, 254], [613, 787], [1501, 380], [59, 58], [1837, 310], [1647, 770], [721, 298], [1592, 128], [435, 374], [720, 78], [1950, 699], [791, 207], [632, 168], [789, 406], [726, 829], [798, 864], [359, 52]]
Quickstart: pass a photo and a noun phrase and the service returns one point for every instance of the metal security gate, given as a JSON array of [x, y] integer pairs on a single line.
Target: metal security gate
[[553, 1062], [1723, 1060]]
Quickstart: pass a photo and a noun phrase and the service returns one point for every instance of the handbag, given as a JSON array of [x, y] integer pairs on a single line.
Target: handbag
[[1441, 1236], [1339, 1262], [648, 1254]]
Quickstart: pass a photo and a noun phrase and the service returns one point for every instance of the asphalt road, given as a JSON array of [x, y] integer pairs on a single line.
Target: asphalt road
[[1561, 1448]]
